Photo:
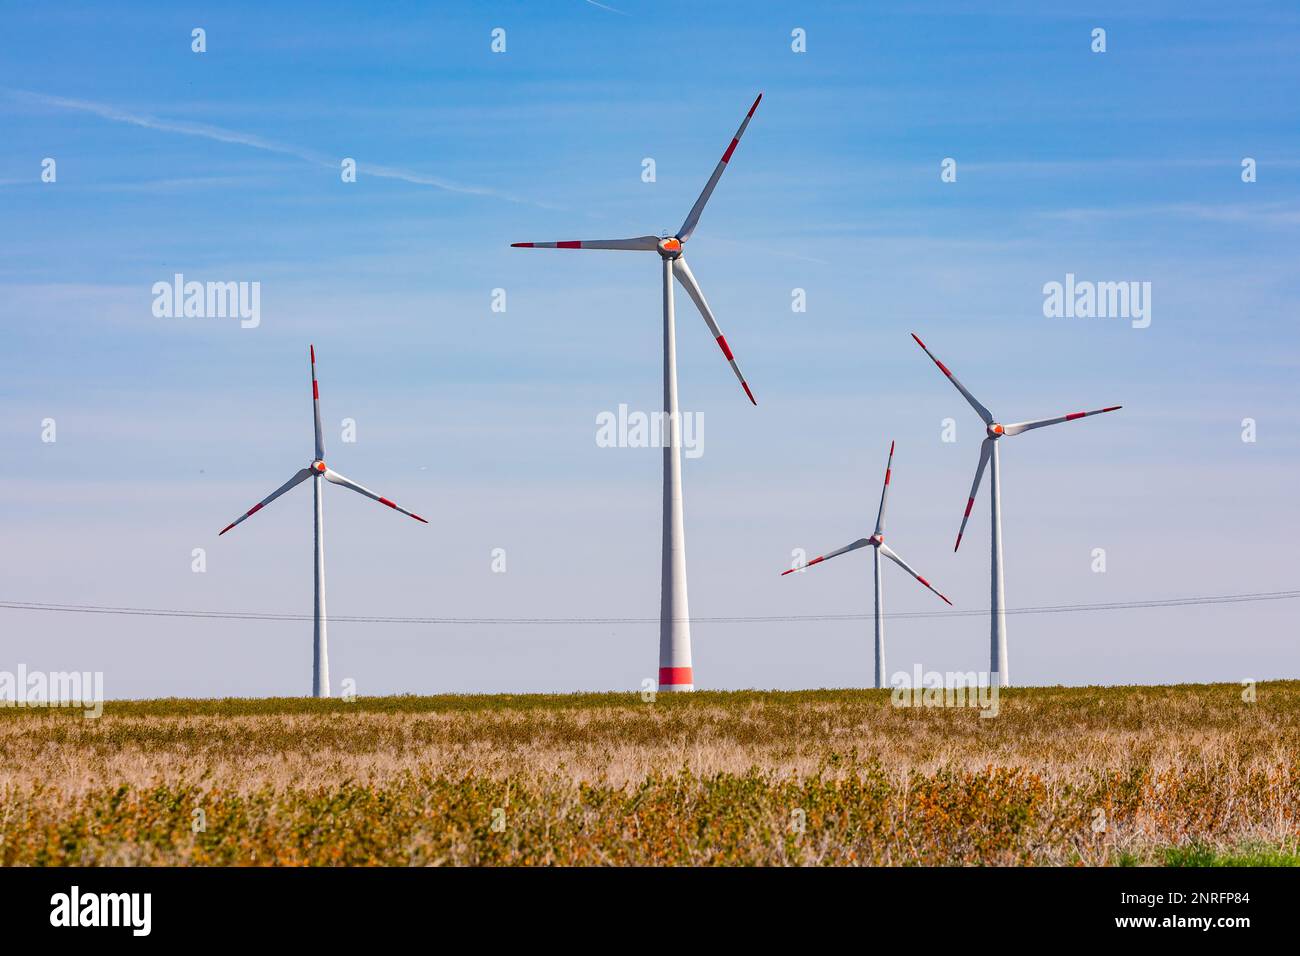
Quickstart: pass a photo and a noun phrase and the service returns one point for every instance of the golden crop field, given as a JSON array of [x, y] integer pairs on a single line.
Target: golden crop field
[[1061, 776]]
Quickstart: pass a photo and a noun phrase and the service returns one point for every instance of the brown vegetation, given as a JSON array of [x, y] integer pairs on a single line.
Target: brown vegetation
[[1060, 776]]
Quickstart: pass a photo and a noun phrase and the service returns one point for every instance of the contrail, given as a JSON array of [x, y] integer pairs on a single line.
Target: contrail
[[609, 8], [253, 141]]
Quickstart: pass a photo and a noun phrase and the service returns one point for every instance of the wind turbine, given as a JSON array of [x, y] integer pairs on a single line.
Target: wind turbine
[[995, 432], [877, 541], [320, 665], [675, 671]]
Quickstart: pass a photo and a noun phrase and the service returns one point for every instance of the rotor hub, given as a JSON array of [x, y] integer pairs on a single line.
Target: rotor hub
[[995, 430], [877, 539], [670, 247], [318, 466]]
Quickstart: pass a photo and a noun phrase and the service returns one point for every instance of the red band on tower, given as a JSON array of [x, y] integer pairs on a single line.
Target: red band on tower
[[675, 676]]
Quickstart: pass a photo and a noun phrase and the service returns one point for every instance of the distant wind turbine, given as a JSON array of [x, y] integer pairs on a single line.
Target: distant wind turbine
[[877, 541], [994, 432], [320, 667], [675, 671]]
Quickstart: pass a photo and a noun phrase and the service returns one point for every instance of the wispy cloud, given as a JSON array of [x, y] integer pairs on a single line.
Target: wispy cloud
[[773, 249], [1269, 213], [172, 184], [169, 184], [1154, 164], [602, 6], [253, 141]]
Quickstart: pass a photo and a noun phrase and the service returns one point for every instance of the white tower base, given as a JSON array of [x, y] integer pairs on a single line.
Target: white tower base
[[997, 596], [320, 664], [880, 622], [675, 672]]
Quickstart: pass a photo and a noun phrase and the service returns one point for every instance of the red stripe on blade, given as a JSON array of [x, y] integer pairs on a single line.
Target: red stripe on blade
[[918, 340], [1113, 408], [815, 561], [958, 544], [1073, 415], [726, 349], [521, 245], [313, 354], [970, 503], [943, 368], [315, 390], [385, 501], [754, 107], [887, 471], [730, 149], [225, 529], [568, 245], [745, 386], [254, 510], [676, 675]]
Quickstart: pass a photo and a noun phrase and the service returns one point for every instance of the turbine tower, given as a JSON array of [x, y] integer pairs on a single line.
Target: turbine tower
[[995, 432], [320, 664], [877, 541], [675, 671]]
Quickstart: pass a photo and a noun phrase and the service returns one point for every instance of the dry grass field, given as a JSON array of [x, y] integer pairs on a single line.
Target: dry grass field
[[1062, 776]]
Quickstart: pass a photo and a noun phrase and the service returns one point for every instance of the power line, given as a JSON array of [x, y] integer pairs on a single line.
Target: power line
[[1196, 601]]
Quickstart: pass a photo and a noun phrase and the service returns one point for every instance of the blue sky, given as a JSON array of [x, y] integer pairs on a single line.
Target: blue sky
[[1122, 166]]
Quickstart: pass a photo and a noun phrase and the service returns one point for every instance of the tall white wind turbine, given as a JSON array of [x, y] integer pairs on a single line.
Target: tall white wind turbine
[[320, 666], [877, 541], [675, 671], [995, 432]]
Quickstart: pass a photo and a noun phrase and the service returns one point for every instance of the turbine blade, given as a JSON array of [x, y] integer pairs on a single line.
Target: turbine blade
[[884, 491], [885, 550], [980, 410], [683, 273], [1039, 423], [315, 401], [986, 451], [860, 543], [296, 479], [688, 227], [336, 478], [640, 243]]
